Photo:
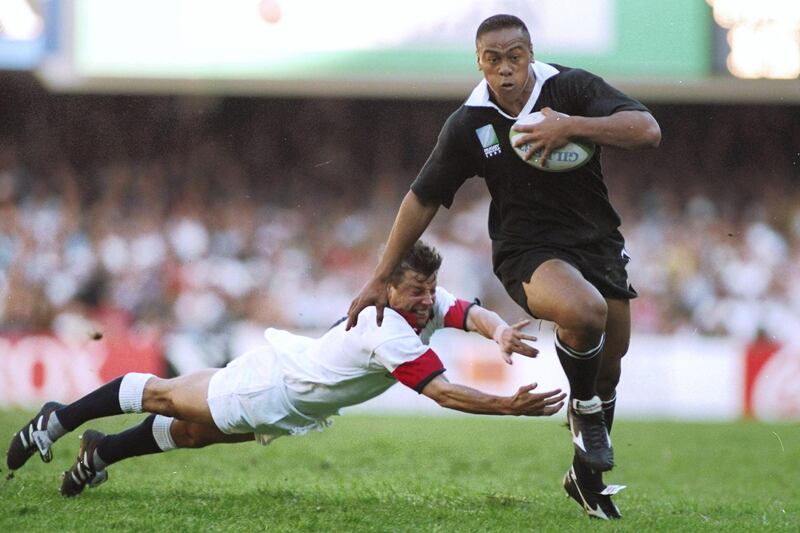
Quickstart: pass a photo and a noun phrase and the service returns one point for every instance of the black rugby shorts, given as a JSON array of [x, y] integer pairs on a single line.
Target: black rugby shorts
[[602, 264]]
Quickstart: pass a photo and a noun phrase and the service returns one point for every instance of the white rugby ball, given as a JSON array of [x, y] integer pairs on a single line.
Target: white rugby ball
[[568, 157]]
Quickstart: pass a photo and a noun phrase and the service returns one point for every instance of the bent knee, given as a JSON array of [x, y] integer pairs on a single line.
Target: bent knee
[[585, 319], [157, 397], [188, 434]]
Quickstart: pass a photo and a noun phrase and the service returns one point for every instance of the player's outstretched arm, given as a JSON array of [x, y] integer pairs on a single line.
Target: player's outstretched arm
[[468, 400], [411, 221], [509, 338]]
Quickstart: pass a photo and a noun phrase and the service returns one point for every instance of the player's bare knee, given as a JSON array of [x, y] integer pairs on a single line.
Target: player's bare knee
[[178, 432], [157, 397], [583, 323], [188, 435], [195, 438], [595, 315]]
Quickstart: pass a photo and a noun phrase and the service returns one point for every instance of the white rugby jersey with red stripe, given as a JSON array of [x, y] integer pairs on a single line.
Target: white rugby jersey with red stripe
[[344, 368]]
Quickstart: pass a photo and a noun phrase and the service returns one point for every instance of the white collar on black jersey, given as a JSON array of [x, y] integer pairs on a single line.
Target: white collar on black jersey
[[480, 94]]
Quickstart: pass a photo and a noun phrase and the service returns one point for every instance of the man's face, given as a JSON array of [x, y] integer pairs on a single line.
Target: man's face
[[416, 294], [503, 57]]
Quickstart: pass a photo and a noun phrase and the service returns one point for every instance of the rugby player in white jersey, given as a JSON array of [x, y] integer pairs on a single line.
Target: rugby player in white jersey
[[291, 385]]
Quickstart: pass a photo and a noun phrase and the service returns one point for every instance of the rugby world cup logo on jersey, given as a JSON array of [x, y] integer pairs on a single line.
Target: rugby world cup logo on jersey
[[488, 138]]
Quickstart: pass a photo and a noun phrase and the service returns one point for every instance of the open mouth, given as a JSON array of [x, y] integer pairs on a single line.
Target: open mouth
[[423, 315]]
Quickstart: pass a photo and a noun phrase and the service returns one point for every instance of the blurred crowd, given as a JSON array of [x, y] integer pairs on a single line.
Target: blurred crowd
[[199, 216]]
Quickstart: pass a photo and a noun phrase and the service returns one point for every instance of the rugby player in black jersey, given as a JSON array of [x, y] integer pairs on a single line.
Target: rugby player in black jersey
[[556, 246]]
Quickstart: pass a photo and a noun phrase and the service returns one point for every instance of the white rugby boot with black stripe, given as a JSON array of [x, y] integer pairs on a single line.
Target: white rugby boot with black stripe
[[83, 472], [32, 437]]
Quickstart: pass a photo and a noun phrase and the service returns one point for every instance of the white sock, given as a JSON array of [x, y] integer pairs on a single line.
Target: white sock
[[162, 433], [131, 391], [54, 428], [585, 407]]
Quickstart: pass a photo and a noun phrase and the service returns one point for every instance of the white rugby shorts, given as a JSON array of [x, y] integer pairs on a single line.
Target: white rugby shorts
[[249, 395]]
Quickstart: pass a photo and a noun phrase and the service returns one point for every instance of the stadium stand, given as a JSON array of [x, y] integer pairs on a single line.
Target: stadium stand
[[193, 214]]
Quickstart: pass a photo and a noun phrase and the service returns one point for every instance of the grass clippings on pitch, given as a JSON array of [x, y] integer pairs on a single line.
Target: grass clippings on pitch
[[424, 474]]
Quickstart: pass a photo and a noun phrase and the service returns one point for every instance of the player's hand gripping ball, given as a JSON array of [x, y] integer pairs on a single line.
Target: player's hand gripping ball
[[569, 157]]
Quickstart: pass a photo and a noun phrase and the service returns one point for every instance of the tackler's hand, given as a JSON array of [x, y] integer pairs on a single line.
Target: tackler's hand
[[527, 403], [372, 293], [510, 339]]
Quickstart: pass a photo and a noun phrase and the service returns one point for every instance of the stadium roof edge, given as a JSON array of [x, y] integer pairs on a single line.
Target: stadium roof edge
[[723, 89]]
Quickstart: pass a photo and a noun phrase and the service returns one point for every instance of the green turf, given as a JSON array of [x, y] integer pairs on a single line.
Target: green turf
[[424, 474]]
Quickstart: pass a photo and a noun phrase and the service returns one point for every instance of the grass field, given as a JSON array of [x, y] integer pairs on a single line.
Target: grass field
[[424, 474]]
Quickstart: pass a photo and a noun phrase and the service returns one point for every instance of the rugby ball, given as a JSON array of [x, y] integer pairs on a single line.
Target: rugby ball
[[568, 157]]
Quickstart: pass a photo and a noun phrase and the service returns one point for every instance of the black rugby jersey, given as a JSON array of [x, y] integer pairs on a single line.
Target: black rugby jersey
[[530, 208]]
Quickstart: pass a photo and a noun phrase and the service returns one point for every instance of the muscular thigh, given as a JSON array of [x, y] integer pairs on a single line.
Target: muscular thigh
[[184, 397], [558, 292]]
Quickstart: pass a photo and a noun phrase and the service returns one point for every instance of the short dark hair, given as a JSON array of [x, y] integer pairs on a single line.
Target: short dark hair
[[421, 258], [501, 22]]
